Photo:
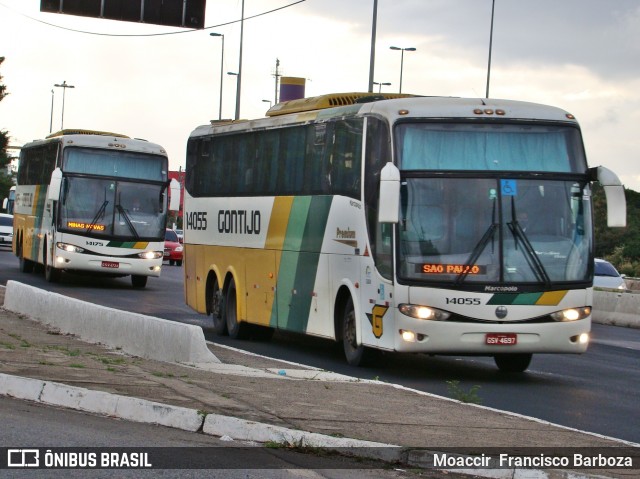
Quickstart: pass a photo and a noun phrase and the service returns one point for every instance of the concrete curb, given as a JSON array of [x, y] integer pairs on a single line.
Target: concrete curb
[[615, 308], [136, 334]]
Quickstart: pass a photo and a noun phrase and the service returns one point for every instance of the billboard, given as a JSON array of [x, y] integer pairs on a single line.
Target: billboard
[[175, 13]]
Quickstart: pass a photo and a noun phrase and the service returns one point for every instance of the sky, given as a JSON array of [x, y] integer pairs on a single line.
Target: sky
[[159, 83]]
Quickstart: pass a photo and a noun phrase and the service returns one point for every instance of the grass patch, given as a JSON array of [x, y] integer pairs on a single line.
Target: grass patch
[[77, 366], [7, 345], [458, 393]]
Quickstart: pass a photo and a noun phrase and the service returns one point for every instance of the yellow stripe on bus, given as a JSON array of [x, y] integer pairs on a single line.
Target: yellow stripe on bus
[[279, 222], [551, 298]]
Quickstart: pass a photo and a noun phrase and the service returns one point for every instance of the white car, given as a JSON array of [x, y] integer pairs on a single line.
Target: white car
[[606, 276], [6, 229]]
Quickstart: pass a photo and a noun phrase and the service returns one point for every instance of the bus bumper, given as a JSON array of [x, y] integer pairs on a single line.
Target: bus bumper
[[442, 337]]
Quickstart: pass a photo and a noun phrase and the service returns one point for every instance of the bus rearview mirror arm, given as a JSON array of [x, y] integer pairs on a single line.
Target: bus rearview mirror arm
[[389, 207], [614, 192]]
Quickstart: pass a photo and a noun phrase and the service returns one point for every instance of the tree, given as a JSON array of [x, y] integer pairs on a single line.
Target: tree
[[6, 179]]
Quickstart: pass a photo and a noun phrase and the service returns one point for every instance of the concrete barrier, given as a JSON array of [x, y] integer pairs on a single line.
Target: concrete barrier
[[136, 334], [617, 308]]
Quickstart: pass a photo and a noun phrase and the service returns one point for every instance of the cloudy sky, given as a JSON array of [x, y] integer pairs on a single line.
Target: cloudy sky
[[580, 55]]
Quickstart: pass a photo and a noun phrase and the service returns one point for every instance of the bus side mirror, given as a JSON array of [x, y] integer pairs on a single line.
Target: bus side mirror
[[614, 192], [174, 202], [55, 185], [389, 207]]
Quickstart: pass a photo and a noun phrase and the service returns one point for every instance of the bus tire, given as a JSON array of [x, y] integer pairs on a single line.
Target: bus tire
[[138, 281], [51, 274], [26, 265], [217, 310], [356, 354], [237, 330], [513, 363]]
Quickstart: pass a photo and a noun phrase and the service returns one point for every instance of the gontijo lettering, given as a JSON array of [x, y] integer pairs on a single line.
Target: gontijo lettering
[[239, 222]]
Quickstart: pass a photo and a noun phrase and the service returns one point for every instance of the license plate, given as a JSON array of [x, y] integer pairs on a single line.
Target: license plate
[[501, 339], [110, 264]]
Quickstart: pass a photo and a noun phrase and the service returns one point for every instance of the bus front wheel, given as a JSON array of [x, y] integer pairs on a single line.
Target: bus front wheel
[[356, 354], [513, 363], [51, 274], [237, 330], [138, 281]]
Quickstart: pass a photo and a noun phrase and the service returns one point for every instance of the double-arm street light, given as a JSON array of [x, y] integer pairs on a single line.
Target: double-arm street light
[[402, 50], [64, 86], [221, 71]]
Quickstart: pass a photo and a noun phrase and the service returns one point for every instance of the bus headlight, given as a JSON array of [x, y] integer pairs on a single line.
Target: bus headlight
[[423, 312], [571, 314], [70, 248], [150, 255]]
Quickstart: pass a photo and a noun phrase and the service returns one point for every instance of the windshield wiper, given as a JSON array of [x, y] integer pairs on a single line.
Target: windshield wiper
[[477, 251], [530, 254], [125, 215], [98, 215], [479, 248]]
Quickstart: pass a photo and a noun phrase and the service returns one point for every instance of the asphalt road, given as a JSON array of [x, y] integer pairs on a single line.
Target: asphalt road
[[595, 392]]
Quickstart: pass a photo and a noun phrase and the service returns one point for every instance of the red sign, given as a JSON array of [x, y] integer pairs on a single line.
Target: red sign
[[110, 264]]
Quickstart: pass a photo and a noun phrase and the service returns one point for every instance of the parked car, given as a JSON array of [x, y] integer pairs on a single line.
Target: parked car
[[6, 229], [172, 248], [606, 276]]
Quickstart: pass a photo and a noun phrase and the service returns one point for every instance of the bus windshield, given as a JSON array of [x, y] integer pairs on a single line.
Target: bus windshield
[[494, 230], [112, 208]]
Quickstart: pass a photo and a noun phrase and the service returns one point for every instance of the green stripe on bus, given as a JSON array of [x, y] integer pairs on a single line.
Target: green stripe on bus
[[299, 263], [550, 298], [128, 244]]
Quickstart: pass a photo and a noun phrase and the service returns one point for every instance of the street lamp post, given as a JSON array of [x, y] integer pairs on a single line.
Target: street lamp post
[[269, 102], [221, 72], [51, 117], [380, 85], [402, 50], [239, 85], [64, 86]]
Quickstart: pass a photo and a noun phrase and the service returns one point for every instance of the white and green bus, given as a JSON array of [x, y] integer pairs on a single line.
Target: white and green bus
[[94, 203], [419, 224]]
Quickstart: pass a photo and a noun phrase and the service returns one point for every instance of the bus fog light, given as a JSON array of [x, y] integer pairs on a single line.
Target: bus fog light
[[60, 260], [423, 312], [571, 314], [583, 338], [408, 336], [155, 269]]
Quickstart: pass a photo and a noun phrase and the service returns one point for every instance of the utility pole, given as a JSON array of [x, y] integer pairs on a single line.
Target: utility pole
[[372, 61], [277, 75]]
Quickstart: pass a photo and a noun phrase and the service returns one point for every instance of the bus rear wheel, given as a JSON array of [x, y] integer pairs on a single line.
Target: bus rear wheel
[[237, 330], [217, 310], [513, 363], [138, 281], [26, 265]]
